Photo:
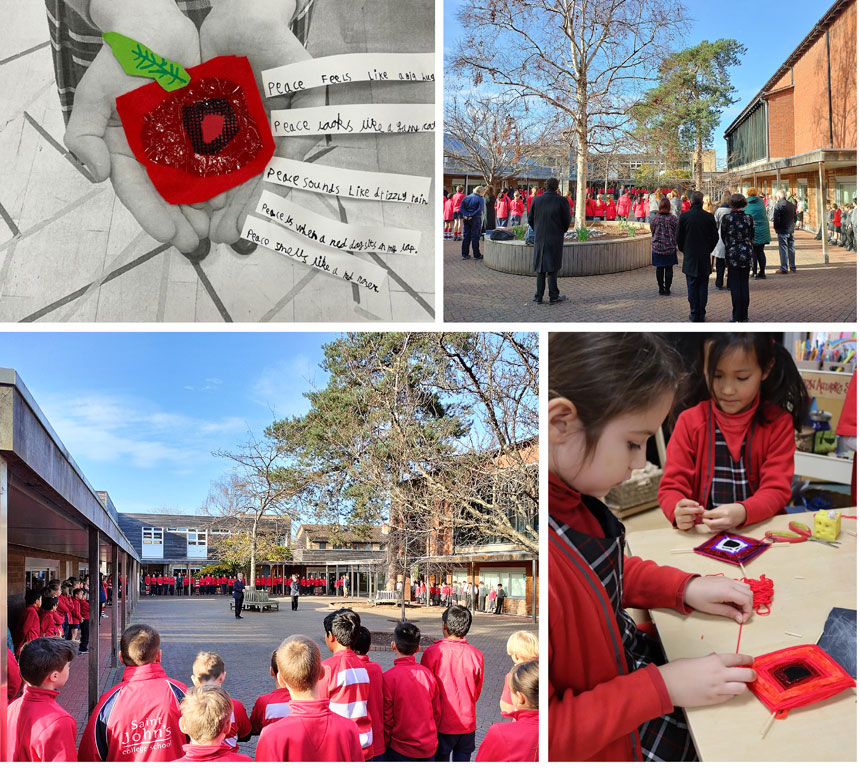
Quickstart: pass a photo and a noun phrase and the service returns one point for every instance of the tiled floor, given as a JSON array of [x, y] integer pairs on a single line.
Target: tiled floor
[[816, 293], [70, 251], [190, 625]]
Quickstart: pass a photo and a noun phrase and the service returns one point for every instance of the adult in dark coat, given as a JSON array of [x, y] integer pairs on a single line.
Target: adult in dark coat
[[784, 217], [549, 217], [238, 595], [697, 237], [472, 211]]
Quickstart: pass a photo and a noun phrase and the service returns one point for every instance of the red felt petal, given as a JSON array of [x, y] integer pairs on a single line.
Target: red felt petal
[[159, 136]]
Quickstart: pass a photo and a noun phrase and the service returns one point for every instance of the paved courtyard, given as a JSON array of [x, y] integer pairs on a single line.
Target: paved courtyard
[[190, 625], [816, 293]]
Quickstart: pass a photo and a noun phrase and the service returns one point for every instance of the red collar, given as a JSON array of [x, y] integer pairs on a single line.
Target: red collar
[[39, 694], [525, 714], [314, 708], [152, 671], [206, 751], [735, 426], [406, 659]]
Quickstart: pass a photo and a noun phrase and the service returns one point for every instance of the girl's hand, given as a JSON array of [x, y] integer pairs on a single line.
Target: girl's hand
[[707, 680], [720, 596], [725, 516], [686, 513]]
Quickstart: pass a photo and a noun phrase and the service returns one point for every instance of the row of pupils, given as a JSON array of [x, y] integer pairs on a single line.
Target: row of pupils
[[729, 464]]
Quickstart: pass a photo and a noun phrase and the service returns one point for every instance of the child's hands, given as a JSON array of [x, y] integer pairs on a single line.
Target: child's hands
[[720, 596], [725, 517], [707, 680], [686, 512]]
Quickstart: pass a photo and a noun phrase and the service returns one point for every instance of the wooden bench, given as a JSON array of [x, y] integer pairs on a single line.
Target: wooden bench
[[257, 600]]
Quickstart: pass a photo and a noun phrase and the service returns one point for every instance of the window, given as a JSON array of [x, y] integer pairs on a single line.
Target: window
[[176, 530], [196, 546], [322, 545], [153, 542], [513, 580]]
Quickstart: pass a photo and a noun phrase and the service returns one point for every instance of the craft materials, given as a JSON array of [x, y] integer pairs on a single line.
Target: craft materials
[[794, 677], [762, 589], [793, 634], [828, 523], [732, 548], [797, 533]]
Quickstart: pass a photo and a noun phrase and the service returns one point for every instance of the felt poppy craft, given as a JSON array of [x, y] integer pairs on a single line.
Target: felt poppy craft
[[203, 138], [732, 548], [796, 676]]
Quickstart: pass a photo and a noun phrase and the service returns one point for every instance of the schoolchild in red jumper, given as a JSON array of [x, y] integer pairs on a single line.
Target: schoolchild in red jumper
[[411, 701], [40, 730], [147, 581], [612, 696], [30, 622], [74, 616], [347, 682], [270, 707], [522, 646], [312, 732], [207, 716], [516, 741], [459, 670], [209, 670], [138, 719], [13, 687], [361, 646], [84, 608], [50, 619], [730, 460]]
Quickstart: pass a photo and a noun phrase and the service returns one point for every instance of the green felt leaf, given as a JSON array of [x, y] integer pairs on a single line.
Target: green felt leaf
[[138, 60]]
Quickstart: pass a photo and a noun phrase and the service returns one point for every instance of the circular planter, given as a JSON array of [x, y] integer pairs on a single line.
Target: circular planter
[[596, 257]]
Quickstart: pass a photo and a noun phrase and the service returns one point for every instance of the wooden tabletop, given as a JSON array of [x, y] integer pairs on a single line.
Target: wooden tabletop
[[809, 579]]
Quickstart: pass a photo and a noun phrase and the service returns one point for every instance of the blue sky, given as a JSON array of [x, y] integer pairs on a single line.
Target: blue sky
[[770, 31], [142, 412]]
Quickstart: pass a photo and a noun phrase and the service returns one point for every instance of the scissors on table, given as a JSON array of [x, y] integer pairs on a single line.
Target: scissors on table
[[797, 533]]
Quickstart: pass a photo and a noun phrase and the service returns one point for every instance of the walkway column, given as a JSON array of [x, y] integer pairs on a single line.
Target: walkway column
[[779, 180], [4, 597], [534, 591], [114, 613], [822, 213], [95, 614]]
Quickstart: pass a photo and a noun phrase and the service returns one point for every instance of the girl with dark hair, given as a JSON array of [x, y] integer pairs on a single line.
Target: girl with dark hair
[[730, 460], [664, 244], [613, 696], [737, 232]]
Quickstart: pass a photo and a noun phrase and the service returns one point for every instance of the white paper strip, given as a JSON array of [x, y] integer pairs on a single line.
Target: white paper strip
[[354, 118], [364, 185], [349, 68], [337, 234], [338, 264]]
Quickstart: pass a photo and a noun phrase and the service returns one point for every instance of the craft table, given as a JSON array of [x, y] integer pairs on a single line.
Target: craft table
[[809, 579]]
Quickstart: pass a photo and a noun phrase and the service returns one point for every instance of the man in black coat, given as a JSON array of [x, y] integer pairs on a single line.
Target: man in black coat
[[549, 217], [784, 216], [697, 238]]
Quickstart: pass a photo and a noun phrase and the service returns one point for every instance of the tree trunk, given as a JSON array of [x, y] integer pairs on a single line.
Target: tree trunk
[[251, 580], [699, 171], [581, 170]]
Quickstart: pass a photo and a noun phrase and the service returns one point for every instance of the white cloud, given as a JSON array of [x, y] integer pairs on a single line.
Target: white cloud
[[206, 386], [281, 385]]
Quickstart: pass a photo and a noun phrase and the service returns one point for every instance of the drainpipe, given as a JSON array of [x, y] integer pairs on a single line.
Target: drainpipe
[[822, 213], [829, 90]]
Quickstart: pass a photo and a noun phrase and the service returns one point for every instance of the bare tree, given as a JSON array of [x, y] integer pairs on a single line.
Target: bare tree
[[584, 58]]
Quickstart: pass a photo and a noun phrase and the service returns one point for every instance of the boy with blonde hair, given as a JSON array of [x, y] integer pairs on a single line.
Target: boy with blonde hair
[[522, 647], [207, 716], [39, 729], [209, 669], [311, 732]]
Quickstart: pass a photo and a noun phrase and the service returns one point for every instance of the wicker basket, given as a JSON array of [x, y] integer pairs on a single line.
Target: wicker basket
[[641, 488]]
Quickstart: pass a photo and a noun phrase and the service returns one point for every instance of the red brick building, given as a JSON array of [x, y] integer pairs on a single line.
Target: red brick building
[[799, 133]]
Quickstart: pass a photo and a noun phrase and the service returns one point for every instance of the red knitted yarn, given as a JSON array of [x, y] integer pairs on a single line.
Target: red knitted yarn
[[762, 589]]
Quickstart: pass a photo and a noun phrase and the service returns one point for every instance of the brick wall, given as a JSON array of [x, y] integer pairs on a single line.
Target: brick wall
[[843, 75], [810, 99], [781, 124]]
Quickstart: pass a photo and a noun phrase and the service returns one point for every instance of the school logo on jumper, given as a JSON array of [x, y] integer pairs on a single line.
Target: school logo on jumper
[[143, 735]]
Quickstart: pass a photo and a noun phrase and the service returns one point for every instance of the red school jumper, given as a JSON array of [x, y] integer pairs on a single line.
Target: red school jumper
[[13, 687], [211, 753], [412, 707], [374, 703], [269, 708], [347, 686], [511, 742], [595, 704], [768, 458], [240, 726], [29, 627], [40, 730], [459, 671], [310, 733], [136, 720]]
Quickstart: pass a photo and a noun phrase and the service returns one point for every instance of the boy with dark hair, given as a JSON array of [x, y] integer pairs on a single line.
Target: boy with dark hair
[[361, 646], [50, 618], [209, 670], [410, 701], [270, 707], [138, 719], [459, 671], [80, 597], [346, 682], [40, 730], [311, 732], [207, 713], [29, 623]]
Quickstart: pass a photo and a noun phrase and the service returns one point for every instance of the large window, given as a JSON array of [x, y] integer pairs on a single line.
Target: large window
[[196, 544], [513, 580], [153, 542]]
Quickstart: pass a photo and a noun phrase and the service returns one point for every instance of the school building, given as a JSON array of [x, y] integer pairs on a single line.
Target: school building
[[799, 133], [53, 524]]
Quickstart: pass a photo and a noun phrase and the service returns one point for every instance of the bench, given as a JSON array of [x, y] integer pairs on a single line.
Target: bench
[[387, 596], [258, 600]]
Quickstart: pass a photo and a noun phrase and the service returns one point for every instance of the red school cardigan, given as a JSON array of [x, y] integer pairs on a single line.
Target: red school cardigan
[[596, 704], [768, 457]]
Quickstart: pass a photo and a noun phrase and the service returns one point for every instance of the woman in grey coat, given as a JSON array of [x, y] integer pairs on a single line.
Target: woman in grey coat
[[719, 253]]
